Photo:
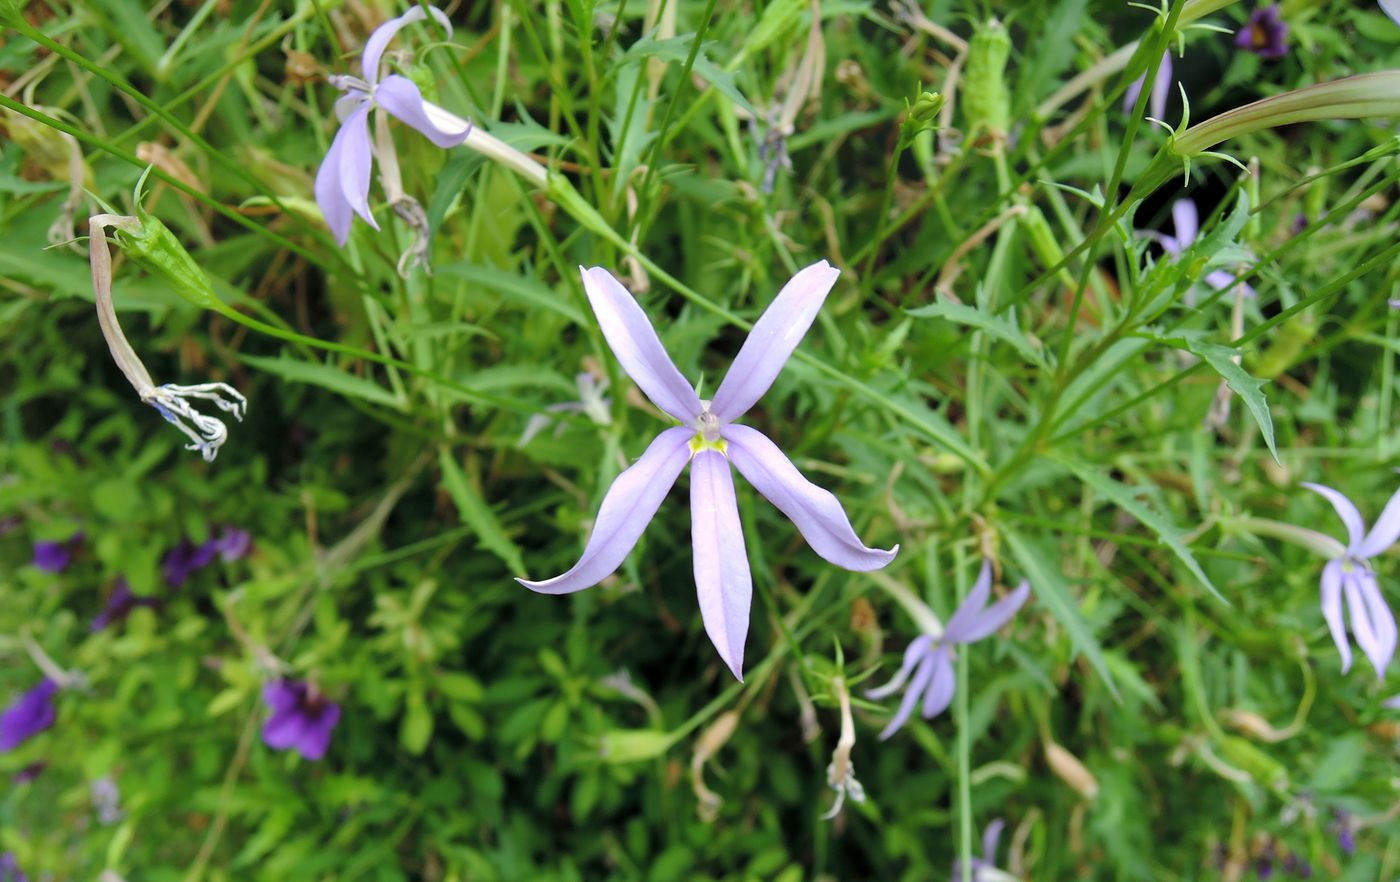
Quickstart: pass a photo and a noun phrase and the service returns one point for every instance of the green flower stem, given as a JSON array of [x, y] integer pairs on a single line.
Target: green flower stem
[[1318, 543]]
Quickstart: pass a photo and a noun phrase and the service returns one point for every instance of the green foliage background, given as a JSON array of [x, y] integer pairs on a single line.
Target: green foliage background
[[961, 393]]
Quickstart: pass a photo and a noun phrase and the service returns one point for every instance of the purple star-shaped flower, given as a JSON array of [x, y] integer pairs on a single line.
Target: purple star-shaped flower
[[1161, 88], [1186, 224], [28, 715], [710, 440], [984, 869], [54, 557], [1350, 575], [302, 718], [9, 869], [342, 183], [1265, 33], [120, 604], [930, 658]]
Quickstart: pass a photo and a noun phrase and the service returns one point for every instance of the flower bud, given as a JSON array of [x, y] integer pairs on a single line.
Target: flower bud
[[1070, 770], [152, 243], [985, 96]]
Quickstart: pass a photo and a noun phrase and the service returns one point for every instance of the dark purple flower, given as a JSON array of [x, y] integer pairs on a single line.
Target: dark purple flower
[[233, 544], [30, 772], [9, 869], [1265, 34], [302, 719], [185, 559], [120, 604], [28, 715], [54, 557]]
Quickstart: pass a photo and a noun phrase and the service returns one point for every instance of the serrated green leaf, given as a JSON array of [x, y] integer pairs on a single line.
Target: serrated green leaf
[[475, 513], [1124, 497], [1250, 389], [325, 376], [1052, 592], [998, 327]]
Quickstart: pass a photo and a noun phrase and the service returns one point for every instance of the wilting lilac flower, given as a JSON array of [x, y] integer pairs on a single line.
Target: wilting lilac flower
[[120, 604], [302, 719], [1186, 224], [1161, 88], [54, 557], [9, 869], [28, 715], [342, 183], [710, 440], [1265, 33], [1392, 9], [984, 869], [591, 403], [930, 658], [1372, 623], [185, 559]]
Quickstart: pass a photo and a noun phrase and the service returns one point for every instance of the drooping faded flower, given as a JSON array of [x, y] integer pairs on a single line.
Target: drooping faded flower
[[930, 656], [710, 440], [342, 183], [1350, 576], [28, 715], [1265, 33], [1186, 225], [54, 557], [120, 604], [302, 718], [1161, 88]]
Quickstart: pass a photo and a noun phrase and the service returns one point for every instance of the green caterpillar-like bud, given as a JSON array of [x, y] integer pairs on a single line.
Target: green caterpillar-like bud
[[985, 96]]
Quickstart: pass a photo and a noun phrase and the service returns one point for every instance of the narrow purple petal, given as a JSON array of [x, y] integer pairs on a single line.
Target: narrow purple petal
[[1384, 531], [379, 40], [990, 836], [1392, 9], [1393, 702], [940, 689], [773, 338], [342, 174], [283, 695], [400, 97], [1356, 527], [915, 651], [627, 508], [1186, 222], [1332, 610], [1161, 88], [1363, 627], [1380, 619], [967, 613], [722, 577], [283, 730], [816, 513], [28, 715], [1134, 90], [317, 729], [633, 340], [911, 696], [991, 620]]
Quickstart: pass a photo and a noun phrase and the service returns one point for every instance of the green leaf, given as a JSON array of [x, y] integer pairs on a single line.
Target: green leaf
[[531, 291], [1052, 592], [678, 49], [475, 513], [1126, 498], [416, 730], [1250, 389], [325, 376], [1000, 328]]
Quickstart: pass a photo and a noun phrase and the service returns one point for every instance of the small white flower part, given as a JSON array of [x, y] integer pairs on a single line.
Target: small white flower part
[[208, 433], [841, 773]]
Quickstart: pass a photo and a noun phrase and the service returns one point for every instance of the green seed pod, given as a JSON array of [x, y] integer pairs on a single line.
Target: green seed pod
[[1261, 767], [985, 96], [921, 116], [1043, 242], [157, 249]]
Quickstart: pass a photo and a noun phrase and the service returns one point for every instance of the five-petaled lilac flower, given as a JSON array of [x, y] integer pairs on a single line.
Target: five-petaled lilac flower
[[1265, 33], [710, 440], [984, 868], [9, 868], [1161, 88], [1372, 623], [302, 718], [1186, 224], [54, 557], [930, 658], [120, 604], [28, 715], [342, 183]]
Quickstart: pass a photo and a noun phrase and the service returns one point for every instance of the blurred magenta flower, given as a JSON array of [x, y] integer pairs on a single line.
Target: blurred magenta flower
[[1186, 224], [710, 440], [120, 604], [930, 657], [54, 557], [1161, 88], [302, 718], [342, 183], [1265, 33], [28, 715], [1372, 623], [9, 869]]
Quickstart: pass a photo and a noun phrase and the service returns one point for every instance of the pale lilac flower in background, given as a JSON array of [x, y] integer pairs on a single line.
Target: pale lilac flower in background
[[1161, 88], [984, 868], [1265, 33], [1392, 9], [233, 544], [1186, 225], [106, 800], [930, 657], [710, 441], [54, 557], [591, 403], [302, 718], [342, 183], [1350, 575], [28, 715], [120, 604]]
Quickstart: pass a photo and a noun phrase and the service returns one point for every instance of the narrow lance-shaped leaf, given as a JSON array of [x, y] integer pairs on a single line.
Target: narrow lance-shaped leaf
[[475, 513], [1250, 389]]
